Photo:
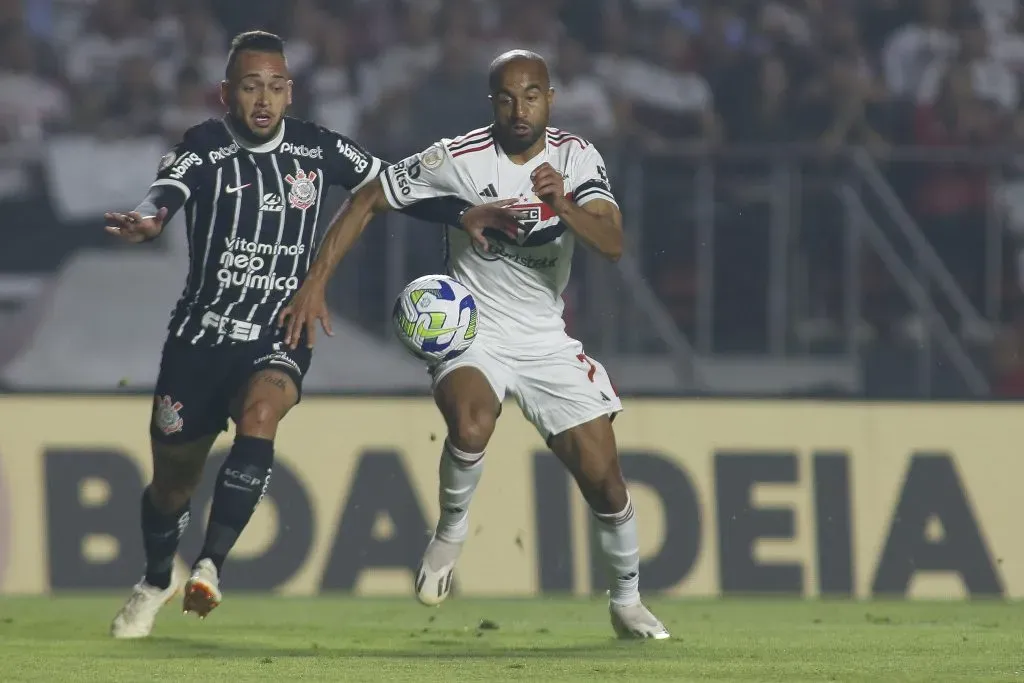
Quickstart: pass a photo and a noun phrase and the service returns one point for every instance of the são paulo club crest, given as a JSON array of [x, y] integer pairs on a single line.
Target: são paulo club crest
[[303, 194]]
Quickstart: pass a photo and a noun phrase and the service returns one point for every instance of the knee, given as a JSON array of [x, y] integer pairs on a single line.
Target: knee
[[472, 428], [603, 487], [259, 418]]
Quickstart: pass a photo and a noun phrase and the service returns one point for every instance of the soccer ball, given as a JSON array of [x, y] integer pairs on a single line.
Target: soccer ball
[[435, 318]]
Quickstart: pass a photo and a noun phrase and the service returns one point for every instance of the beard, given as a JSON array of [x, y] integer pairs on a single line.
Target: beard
[[514, 144]]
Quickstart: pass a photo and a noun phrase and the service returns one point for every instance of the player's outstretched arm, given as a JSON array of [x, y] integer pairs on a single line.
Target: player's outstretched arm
[[598, 223], [133, 227], [147, 221], [309, 305], [178, 176]]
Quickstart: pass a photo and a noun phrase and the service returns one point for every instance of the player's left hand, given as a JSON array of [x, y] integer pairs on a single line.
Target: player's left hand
[[497, 215], [308, 306], [548, 185]]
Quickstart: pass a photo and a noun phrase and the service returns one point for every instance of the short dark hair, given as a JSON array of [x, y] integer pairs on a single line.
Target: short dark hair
[[256, 41]]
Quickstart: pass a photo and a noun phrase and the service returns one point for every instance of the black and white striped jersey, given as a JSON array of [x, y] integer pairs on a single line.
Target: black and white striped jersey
[[251, 213]]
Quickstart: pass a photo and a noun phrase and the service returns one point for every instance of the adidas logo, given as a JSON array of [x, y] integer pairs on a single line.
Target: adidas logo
[[489, 191]]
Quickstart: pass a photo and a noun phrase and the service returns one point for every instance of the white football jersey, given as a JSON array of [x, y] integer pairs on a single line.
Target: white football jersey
[[518, 284]]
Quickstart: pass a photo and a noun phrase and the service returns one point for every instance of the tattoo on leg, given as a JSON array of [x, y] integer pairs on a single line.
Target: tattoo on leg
[[278, 382]]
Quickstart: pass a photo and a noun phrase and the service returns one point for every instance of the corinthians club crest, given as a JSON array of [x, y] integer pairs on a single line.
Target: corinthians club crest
[[303, 194], [168, 415]]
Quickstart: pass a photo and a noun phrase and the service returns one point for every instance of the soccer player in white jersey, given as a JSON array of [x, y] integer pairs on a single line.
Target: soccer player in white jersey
[[517, 275]]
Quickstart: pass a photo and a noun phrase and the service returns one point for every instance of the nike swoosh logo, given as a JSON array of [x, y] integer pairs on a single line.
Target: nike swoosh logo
[[232, 190], [428, 333]]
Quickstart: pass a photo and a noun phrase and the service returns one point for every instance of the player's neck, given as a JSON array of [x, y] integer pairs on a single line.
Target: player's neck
[[241, 131], [530, 152]]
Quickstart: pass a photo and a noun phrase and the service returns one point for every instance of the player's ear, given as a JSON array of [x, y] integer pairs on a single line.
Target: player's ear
[[225, 94], [290, 88], [551, 96]]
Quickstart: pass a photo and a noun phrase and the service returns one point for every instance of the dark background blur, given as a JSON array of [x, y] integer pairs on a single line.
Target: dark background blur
[[821, 197]]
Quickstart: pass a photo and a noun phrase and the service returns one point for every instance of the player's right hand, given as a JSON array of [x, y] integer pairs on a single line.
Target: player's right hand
[[495, 215], [302, 313], [134, 228]]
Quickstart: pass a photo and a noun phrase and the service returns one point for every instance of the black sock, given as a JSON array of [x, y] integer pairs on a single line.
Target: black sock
[[160, 535], [241, 484]]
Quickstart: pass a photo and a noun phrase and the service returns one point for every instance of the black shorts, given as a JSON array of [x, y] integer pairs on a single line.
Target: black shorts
[[196, 384]]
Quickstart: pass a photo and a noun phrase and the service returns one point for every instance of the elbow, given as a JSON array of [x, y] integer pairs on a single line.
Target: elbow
[[614, 251]]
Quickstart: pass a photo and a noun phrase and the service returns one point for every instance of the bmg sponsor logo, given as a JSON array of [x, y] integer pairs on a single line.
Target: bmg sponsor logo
[[184, 164], [353, 154]]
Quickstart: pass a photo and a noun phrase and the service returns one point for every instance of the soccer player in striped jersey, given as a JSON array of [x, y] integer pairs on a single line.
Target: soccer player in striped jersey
[[562, 194], [251, 184]]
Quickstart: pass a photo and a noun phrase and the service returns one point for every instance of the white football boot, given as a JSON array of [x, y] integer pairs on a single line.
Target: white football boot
[[434, 579], [136, 617], [636, 621], [202, 590]]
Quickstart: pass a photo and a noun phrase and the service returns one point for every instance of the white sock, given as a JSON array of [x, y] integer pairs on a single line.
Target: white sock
[[459, 473], [620, 546]]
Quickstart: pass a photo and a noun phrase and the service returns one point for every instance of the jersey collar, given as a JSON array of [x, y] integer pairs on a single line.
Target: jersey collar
[[268, 146]]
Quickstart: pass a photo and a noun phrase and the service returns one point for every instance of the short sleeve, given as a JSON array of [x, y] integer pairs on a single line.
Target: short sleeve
[[182, 167], [591, 178], [347, 163], [431, 173]]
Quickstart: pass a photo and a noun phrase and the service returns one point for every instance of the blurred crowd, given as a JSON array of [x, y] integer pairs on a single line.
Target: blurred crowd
[[638, 77]]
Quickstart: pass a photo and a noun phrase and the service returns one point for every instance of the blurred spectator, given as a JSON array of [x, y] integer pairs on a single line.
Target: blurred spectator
[[452, 99], [952, 197], [526, 25], [302, 39], [999, 16], [29, 103], [336, 82], [1007, 358], [835, 109], [719, 52], [764, 114], [990, 79], [114, 35], [1008, 45], [879, 19], [403, 63], [134, 107], [669, 100], [194, 101], [912, 49], [788, 21], [186, 34], [842, 35], [581, 103]]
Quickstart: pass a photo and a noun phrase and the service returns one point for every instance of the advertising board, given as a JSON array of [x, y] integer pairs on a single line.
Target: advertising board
[[732, 497]]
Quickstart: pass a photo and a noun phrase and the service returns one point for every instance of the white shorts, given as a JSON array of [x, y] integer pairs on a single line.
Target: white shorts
[[556, 391]]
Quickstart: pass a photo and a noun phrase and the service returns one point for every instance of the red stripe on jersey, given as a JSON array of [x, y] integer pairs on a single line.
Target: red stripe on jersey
[[471, 134], [570, 138], [559, 134], [469, 139], [469, 150]]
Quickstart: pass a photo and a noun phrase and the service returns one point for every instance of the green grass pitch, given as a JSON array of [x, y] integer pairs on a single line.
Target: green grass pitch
[[252, 638]]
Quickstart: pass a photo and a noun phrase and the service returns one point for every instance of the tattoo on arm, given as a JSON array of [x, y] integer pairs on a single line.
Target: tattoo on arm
[[279, 382]]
